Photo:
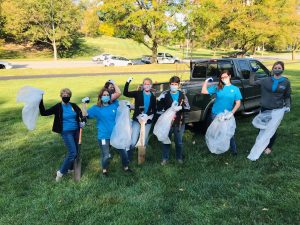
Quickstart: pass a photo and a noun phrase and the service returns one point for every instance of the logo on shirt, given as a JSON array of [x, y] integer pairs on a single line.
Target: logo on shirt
[[231, 90]]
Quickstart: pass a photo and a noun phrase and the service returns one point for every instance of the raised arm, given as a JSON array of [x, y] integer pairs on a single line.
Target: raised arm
[[117, 93], [252, 80], [46, 112], [126, 92], [204, 86]]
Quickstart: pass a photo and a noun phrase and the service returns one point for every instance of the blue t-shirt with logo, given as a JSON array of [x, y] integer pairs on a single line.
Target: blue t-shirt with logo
[[175, 96], [146, 101], [69, 118], [225, 98], [105, 118]]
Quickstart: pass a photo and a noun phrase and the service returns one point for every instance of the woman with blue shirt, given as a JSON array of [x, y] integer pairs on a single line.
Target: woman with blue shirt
[[67, 121], [105, 114], [145, 103], [228, 97]]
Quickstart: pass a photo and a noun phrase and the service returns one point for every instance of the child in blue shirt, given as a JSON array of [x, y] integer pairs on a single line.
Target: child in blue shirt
[[105, 113], [228, 97]]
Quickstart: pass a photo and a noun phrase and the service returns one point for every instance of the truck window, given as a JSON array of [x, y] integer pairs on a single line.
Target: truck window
[[244, 69], [260, 70], [199, 70], [168, 55], [225, 65], [212, 70], [160, 54]]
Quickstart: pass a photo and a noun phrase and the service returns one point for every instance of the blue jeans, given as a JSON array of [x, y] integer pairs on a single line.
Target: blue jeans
[[70, 139], [105, 155], [178, 134], [232, 140], [136, 127]]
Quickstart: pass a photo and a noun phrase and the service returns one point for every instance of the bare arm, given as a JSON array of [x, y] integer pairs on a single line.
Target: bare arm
[[117, 93], [236, 106], [204, 87]]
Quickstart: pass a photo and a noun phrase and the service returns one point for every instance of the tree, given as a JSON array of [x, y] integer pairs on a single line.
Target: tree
[[54, 23], [145, 21]]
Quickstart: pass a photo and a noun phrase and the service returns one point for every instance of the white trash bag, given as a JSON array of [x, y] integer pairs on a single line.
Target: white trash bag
[[164, 123], [219, 133], [121, 134], [267, 130], [31, 97]]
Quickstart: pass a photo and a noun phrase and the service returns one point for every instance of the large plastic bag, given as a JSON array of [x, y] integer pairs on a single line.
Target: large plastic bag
[[262, 119], [31, 97], [121, 134], [219, 133], [267, 130], [164, 123]]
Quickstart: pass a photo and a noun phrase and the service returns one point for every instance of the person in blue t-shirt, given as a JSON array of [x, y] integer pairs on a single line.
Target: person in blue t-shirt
[[68, 119], [105, 114], [228, 97]]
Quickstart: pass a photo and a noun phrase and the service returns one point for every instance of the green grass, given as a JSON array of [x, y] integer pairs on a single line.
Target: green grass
[[207, 189]]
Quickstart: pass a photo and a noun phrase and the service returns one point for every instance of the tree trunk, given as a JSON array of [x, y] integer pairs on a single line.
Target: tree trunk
[[293, 54], [154, 52], [54, 49]]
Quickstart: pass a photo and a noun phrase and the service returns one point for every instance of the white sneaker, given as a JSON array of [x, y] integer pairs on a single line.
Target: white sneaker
[[59, 175], [70, 171]]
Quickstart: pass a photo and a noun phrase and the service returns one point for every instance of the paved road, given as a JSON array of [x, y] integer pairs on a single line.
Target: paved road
[[87, 75]]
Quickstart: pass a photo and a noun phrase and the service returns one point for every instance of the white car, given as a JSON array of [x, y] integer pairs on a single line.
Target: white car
[[146, 59], [5, 65], [102, 57], [117, 61], [163, 58]]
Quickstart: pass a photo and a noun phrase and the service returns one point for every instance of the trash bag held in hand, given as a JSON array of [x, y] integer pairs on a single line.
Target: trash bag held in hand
[[267, 128], [31, 97], [219, 133], [164, 123], [121, 134]]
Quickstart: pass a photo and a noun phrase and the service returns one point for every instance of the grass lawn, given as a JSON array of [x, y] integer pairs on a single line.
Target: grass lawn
[[207, 189]]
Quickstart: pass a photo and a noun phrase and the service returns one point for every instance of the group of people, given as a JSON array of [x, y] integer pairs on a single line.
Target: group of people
[[68, 117]]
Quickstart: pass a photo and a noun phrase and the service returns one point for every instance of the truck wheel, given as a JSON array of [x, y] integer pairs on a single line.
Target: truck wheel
[[2, 67]]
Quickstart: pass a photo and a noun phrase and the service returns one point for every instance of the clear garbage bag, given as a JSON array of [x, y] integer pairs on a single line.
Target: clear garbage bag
[[219, 133], [267, 130], [31, 97], [164, 123], [262, 119], [121, 134]]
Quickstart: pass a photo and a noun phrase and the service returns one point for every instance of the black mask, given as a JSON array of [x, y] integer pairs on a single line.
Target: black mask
[[65, 99]]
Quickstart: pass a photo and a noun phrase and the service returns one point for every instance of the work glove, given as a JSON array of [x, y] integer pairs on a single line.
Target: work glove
[[228, 116], [129, 79], [112, 82], [210, 79], [161, 96], [85, 100], [81, 124], [287, 109]]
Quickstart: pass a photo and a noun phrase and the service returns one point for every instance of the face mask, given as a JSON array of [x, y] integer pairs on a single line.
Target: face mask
[[105, 99], [226, 81], [147, 87], [174, 88], [277, 72], [66, 99]]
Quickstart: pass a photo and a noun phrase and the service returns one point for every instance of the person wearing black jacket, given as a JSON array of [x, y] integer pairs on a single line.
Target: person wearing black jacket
[[145, 103], [165, 101], [67, 121]]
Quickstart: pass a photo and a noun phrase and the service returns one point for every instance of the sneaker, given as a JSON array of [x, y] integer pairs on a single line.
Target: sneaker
[[128, 170], [70, 171], [180, 161], [267, 151], [105, 173], [164, 162], [59, 175]]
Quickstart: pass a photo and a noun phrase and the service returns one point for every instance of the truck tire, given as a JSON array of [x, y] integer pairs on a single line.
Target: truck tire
[[2, 66]]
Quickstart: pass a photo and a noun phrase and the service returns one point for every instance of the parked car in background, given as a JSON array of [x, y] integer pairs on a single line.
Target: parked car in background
[[117, 61], [102, 57], [146, 59], [162, 58], [5, 65]]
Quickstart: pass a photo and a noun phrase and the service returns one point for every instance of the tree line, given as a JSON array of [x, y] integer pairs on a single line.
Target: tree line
[[239, 24]]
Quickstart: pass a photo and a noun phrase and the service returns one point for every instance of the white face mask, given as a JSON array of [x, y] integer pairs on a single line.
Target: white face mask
[[147, 87], [174, 88], [226, 81]]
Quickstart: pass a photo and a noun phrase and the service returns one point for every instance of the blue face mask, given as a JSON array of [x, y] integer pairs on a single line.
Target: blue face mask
[[173, 88], [105, 99]]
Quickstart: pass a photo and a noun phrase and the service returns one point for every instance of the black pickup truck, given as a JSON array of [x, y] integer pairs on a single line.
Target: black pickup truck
[[240, 69]]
